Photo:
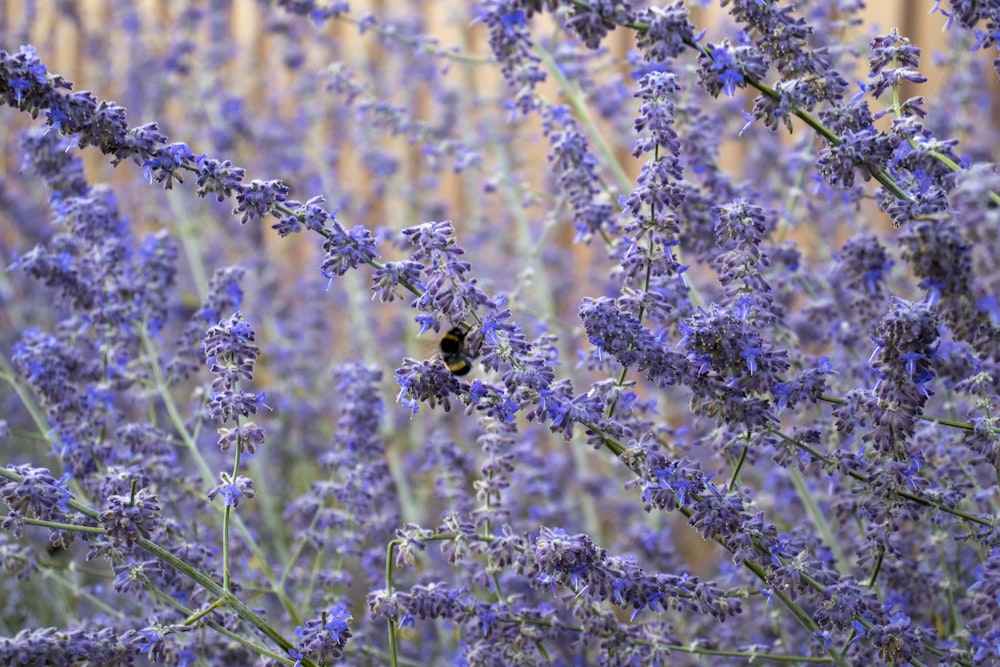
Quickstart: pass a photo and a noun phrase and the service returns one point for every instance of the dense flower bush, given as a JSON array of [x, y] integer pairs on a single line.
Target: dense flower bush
[[687, 409]]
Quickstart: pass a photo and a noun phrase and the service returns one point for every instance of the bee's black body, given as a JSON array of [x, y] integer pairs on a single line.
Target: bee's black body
[[454, 352]]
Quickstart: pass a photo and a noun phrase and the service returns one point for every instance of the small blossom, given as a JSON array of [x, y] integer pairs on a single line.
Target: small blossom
[[668, 32], [593, 21], [127, 518], [324, 638], [726, 67], [232, 489], [38, 494], [256, 200], [166, 167], [248, 435], [344, 250], [230, 352], [218, 177], [387, 279]]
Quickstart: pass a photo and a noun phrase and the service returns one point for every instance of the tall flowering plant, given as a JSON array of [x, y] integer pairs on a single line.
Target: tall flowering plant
[[681, 413]]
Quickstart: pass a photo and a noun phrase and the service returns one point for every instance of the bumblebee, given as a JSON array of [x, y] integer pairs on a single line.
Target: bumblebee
[[457, 357]]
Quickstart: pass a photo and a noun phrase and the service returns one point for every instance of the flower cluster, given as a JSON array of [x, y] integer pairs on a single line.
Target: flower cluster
[[126, 519], [667, 344], [231, 356], [323, 638]]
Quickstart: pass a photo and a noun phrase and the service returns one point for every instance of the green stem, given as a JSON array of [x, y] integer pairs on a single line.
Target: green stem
[[201, 578], [738, 466], [818, 519], [206, 472], [579, 106]]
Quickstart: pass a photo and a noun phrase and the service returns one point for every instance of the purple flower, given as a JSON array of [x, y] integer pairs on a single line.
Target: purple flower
[[430, 383], [575, 171], [257, 199], [593, 21], [388, 278], [447, 288], [230, 351], [232, 489], [510, 43], [668, 32], [231, 356], [38, 494], [224, 295], [167, 165], [656, 116], [52, 645], [725, 68], [219, 177], [905, 342], [897, 51], [344, 250], [324, 638], [148, 641], [126, 518]]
